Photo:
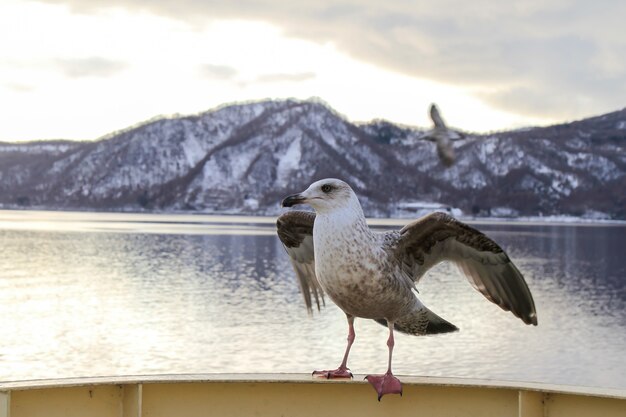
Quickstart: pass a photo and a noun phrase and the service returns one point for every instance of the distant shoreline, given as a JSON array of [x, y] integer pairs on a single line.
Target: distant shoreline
[[565, 220]]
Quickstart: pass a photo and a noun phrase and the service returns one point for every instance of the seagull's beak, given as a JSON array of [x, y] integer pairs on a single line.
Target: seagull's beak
[[294, 199]]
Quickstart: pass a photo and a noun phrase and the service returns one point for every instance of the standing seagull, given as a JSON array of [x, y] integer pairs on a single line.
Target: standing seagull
[[443, 136], [373, 275]]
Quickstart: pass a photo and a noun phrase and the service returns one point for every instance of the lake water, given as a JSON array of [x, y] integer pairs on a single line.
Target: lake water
[[85, 294]]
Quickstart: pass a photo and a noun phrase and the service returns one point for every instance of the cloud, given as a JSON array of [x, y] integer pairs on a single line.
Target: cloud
[[539, 57], [286, 77], [222, 72], [89, 67]]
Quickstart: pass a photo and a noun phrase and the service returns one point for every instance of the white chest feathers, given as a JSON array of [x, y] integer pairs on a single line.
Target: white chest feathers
[[345, 250]]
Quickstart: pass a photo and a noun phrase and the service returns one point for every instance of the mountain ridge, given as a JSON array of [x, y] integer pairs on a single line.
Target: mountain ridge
[[243, 158]]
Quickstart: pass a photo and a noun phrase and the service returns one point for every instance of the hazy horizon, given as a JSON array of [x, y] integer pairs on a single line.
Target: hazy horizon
[[180, 115]]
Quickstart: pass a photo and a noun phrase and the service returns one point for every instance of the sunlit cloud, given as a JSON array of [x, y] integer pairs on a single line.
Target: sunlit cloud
[[572, 49], [487, 65], [89, 67], [285, 77], [218, 71]]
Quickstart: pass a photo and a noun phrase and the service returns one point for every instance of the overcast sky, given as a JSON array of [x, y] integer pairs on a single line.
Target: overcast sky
[[78, 69]]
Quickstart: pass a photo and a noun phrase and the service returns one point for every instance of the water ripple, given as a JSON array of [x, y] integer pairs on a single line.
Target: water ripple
[[194, 294]]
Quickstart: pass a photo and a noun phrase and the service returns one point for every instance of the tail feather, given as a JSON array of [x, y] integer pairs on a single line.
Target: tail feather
[[421, 322]]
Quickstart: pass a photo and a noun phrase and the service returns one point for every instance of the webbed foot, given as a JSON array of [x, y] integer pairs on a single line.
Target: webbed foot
[[385, 384], [341, 372]]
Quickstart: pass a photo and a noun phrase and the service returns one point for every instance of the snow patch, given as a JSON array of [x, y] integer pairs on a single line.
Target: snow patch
[[289, 161], [238, 162], [487, 148], [422, 208], [596, 215], [251, 203], [597, 165], [503, 212], [192, 150]]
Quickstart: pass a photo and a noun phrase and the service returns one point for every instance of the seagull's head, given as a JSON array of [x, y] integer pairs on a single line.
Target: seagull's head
[[324, 196]]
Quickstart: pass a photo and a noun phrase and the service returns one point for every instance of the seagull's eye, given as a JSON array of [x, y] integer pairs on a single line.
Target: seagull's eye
[[327, 188]]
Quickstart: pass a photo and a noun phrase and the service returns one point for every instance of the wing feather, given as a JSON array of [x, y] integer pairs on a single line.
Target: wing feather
[[436, 117], [439, 237], [295, 231]]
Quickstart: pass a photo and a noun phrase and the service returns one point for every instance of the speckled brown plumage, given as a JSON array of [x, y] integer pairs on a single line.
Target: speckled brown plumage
[[373, 275], [420, 236], [412, 248], [293, 226]]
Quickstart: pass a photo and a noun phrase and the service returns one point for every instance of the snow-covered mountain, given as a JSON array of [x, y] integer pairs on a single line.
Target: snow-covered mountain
[[244, 158]]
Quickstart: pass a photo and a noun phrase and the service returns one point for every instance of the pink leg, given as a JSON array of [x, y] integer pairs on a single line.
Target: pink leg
[[342, 371], [386, 383]]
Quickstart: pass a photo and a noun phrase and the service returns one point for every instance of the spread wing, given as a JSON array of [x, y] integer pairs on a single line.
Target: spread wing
[[439, 237], [436, 117], [295, 231]]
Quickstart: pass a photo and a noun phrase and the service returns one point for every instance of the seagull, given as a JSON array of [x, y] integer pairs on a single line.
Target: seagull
[[443, 136], [372, 275]]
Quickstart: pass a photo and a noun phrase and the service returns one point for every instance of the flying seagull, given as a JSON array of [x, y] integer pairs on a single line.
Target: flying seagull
[[443, 136], [372, 275]]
